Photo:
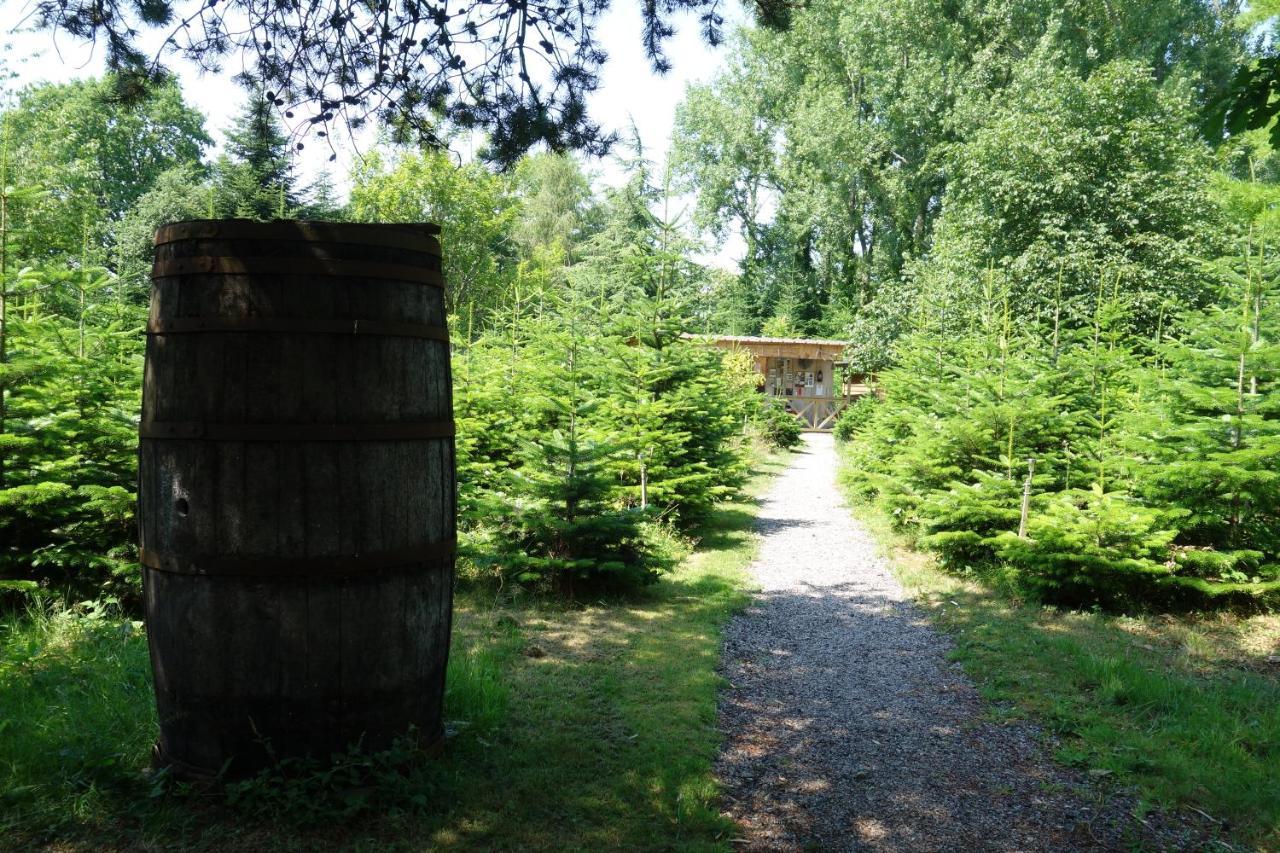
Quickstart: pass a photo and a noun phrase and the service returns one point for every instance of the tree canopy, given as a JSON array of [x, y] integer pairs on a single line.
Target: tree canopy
[[838, 147], [519, 69], [93, 157]]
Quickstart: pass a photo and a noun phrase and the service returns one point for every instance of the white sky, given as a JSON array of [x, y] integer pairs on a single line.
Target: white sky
[[631, 92]]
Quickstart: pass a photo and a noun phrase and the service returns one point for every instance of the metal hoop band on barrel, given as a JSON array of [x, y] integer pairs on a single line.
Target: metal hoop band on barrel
[[415, 238], [196, 431], [303, 325], [228, 265], [344, 565]]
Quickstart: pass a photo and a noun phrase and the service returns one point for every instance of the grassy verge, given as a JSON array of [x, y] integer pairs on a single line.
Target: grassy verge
[[577, 727], [1185, 709]]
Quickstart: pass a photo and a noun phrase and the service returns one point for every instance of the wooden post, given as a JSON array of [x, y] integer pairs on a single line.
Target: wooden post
[[644, 484], [1026, 498]]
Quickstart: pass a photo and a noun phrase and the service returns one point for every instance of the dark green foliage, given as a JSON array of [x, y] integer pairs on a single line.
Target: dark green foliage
[[1153, 481], [178, 194], [92, 159], [1209, 439], [73, 380], [1065, 179], [775, 426], [855, 417], [1248, 103], [678, 420], [677, 416], [1009, 207], [879, 148], [303, 792], [258, 142], [1006, 204], [587, 424], [74, 164], [566, 463], [579, 442], [568, 524], [255, 178]]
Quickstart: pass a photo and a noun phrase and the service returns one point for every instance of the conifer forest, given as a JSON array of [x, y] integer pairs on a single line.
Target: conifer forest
[[1045, 230]]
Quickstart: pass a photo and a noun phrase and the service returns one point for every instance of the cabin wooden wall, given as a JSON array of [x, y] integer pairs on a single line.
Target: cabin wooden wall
[[799, 376]]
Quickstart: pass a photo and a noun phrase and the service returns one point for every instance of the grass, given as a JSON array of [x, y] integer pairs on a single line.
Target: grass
[[578, 726], [1185, 709]]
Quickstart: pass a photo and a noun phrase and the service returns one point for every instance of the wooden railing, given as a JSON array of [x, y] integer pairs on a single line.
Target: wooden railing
[[816, 413]]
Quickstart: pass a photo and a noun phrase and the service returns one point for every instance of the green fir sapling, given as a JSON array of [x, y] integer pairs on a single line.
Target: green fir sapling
[[1210, 439], [569, 525], [1095, 543]]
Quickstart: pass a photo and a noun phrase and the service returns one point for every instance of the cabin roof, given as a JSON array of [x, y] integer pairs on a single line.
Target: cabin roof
[[746, 340], [810, 348]]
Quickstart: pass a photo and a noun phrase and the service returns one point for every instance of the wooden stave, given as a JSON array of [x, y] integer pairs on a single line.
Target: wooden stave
[[304, 710]]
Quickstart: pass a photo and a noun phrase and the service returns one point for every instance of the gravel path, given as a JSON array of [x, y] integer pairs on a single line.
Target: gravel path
[[846, 728]]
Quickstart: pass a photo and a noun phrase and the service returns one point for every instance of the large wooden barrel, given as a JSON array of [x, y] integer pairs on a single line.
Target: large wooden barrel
[[296, 490]]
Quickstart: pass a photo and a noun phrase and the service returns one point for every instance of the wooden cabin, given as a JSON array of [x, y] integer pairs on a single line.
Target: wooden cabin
[[808, 376]]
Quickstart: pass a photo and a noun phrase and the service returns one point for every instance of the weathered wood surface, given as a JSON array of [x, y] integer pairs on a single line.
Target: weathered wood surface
[[297, 524], [818, 414], [797, 348]]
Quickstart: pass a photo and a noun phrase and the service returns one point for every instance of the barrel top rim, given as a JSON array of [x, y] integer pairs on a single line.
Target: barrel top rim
[[306, 229], [426, 227]]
